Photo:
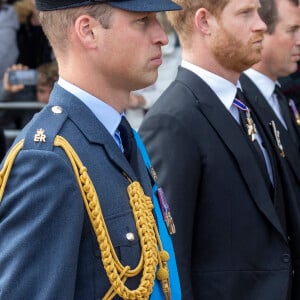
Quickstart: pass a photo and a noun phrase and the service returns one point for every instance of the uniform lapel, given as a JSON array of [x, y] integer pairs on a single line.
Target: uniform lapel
[[229, 132]]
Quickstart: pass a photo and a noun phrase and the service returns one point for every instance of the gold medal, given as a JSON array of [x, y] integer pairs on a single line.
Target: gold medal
[[294, 111], [251, 128], [276, 134]]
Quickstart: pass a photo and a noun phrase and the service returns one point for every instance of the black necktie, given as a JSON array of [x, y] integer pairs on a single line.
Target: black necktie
[[126, 137], [254, 146], [277, 193], [286, 114], [128, 142]]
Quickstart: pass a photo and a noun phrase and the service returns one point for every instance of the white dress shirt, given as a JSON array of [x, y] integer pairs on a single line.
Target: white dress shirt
[[226, 91], [267, 87], [107, 115]]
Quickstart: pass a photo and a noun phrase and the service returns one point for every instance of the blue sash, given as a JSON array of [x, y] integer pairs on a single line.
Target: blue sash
[[164, 235]]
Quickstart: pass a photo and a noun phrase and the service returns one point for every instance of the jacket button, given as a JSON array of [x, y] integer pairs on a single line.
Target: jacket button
[[286, 258], [130, 236], [57, 109]]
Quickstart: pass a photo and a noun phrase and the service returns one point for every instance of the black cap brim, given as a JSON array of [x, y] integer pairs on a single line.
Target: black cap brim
[[145, 6], [129, 5]]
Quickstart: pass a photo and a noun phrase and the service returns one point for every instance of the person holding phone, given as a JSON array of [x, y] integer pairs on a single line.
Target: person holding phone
[[16, 118], [18, 77], [24, 77]]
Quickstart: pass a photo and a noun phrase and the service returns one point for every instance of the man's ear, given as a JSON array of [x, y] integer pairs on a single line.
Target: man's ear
[[202, 20], [85, 30]]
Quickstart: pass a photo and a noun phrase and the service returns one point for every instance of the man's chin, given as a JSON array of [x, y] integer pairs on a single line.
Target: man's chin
[[256, 59]]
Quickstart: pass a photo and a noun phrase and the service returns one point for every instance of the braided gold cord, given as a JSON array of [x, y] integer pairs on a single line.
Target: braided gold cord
[[146, 227], [145, 223], [9, 161]]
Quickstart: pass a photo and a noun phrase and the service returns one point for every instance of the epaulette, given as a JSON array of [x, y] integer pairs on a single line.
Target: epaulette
[[42, 131]]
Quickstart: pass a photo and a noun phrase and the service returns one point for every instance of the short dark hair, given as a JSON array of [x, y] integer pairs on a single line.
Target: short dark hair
[[48, 73], [269, 13]]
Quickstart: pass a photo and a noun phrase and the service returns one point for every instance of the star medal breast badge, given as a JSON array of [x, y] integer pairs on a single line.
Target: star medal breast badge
[[276, 134], [250, 125], [294, 111]]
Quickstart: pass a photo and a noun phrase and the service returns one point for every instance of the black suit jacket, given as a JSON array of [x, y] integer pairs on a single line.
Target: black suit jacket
[[289, 167], [230, 244], [265, 114]]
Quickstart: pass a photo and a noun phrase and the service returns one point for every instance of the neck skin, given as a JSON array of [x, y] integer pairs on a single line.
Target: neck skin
[[99, 88], [35, 19], [78, 69], [261, 67], [207, 62]]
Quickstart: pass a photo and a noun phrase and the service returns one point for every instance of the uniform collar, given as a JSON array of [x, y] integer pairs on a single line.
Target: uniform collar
[[265, 84], [108, 116]]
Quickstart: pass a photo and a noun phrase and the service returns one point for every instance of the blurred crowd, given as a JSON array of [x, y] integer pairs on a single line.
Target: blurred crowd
[[23, 46]]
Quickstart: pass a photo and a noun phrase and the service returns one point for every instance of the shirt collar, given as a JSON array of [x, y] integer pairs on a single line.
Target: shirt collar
[[265, 84], [224, 89], [108, 116]]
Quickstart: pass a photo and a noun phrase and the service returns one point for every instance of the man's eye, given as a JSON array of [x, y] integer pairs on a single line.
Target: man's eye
[[143, 20], [246, 11], [293, 29]]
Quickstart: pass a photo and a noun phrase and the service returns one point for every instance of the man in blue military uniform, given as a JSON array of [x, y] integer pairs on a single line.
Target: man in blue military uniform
[[76, 215]]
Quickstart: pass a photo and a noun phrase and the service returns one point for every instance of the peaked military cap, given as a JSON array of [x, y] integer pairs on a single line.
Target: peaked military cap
[[129, 5]]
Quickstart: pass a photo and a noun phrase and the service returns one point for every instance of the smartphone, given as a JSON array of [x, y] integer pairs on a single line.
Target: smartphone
[[25, 77]]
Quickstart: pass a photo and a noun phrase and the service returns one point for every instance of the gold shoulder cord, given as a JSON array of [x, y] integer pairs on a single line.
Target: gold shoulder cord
[[152, 253]]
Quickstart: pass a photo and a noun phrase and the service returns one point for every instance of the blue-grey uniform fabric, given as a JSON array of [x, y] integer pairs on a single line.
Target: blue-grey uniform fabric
[[42, 199]]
